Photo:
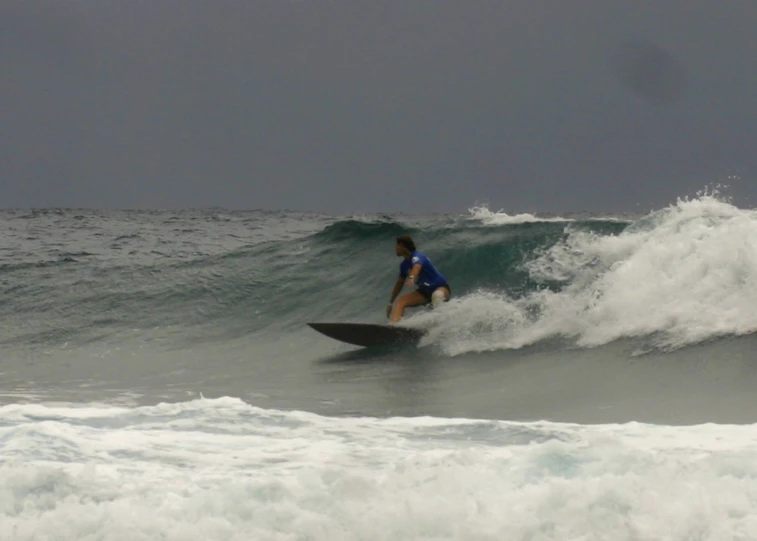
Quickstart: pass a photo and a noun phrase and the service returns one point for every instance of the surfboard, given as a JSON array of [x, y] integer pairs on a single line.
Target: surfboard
[[369, 334]]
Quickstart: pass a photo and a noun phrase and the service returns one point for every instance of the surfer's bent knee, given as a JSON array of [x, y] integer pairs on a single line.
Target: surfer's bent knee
[[439, 296]]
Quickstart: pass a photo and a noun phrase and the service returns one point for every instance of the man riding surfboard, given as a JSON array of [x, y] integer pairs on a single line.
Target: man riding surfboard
[[415, 269]]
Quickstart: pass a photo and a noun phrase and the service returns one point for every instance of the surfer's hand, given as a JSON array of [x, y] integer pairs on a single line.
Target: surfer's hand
[[410, 281], [389, 310]]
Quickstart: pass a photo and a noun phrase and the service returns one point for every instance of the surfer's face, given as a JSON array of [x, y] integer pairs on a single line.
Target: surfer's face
[[399, 249]]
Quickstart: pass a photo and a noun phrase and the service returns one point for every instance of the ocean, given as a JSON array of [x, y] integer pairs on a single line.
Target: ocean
[[592, 378]]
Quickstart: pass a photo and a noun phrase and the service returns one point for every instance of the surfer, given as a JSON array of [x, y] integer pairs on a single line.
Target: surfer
[[415, 269]]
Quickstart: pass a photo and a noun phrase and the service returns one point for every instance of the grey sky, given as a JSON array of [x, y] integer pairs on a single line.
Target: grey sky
[[390, 105]]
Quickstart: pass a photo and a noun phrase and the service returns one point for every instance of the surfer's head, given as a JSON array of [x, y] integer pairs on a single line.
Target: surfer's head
[[405, 245]]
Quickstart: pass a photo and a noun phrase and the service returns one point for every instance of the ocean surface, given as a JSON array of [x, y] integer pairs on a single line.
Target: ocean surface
[[592, 378]]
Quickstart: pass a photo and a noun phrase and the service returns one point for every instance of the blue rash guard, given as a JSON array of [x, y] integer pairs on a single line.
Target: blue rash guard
[[429, 278]]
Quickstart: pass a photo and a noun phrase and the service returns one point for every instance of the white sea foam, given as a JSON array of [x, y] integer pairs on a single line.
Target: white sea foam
[[494, 218], [685, 274], [222, 470]]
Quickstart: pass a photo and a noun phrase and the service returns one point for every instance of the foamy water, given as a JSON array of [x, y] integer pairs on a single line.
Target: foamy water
[[500, 217], [682, 275], [223, 470]]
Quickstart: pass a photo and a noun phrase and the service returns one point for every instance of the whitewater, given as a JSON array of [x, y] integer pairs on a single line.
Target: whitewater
[[592, 378]]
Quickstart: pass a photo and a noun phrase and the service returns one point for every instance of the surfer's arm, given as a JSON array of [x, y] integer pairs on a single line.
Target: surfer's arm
[[395, 292], [412, 276]]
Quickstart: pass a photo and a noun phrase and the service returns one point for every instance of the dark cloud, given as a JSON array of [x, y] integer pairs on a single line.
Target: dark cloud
[[36, 33], [650, 71], [395, 105]]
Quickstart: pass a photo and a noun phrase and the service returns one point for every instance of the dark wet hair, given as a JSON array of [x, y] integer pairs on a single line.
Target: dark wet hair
[[407, 242]]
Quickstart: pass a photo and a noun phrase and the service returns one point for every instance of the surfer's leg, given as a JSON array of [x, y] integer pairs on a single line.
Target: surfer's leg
[[408, 300], [440, 295]]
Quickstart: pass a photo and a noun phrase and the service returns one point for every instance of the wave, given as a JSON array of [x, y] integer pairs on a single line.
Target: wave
[[680, 276], [675, 277]]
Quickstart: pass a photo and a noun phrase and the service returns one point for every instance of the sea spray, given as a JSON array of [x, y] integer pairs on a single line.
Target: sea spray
[[680, 276]]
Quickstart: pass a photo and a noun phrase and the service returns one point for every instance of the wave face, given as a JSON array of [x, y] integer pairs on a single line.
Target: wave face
[[680, 276]]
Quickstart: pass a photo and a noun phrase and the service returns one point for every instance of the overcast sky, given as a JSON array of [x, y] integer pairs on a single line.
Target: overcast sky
[[382, 105]]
